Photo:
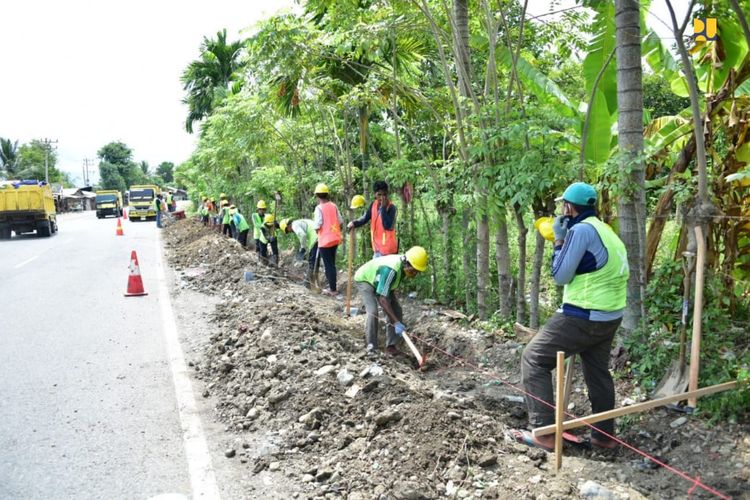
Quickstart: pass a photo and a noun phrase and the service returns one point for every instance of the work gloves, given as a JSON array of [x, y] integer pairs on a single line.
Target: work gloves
[[400, 329], [560, 227]]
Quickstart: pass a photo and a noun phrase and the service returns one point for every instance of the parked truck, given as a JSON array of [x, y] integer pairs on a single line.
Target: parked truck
[[108, 202], [25, 207], [141, 201]]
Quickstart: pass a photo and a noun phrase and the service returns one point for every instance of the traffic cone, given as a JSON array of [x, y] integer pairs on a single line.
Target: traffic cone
[[135, 283], [119, 228], [124, 214]]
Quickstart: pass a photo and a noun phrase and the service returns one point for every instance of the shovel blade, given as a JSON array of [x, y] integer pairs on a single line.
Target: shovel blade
[[675, 381]]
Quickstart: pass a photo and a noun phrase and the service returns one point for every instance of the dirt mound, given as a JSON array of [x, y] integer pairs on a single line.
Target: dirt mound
[[282, 362]]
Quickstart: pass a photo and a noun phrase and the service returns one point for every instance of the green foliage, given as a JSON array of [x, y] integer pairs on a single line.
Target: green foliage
[[8, 158], [31, 162], [165, 170], [659, 99], [725, 347], [117, 170]]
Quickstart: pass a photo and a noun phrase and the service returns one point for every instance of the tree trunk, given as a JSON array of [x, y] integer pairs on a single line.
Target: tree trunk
[[483, 262], [461, 40], [536, 278], [502, 259], [468, 258], [521, 288], [632, 207], [447, 254]]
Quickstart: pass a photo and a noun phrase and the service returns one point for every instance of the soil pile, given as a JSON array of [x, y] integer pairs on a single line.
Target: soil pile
[[284, 364]]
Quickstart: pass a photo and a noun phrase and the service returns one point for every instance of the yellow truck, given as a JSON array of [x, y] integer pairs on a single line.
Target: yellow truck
[[108, 202], [141, 201], [25, 207]]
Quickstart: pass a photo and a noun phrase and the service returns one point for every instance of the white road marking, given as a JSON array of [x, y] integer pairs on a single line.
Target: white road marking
[[202, 477], [26, 262]]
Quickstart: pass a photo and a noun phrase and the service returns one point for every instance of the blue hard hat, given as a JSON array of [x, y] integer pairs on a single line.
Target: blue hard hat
[[579, 193]]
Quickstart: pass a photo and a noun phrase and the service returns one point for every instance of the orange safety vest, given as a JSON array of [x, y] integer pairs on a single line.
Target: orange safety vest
[[383, 240], [329, 234]]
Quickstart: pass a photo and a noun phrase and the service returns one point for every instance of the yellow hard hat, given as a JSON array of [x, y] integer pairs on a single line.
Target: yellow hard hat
[[213, 200], [283, 224], [358, 201], [224, 203], [205, 199], [417, 257], [544, 226], [261, 204], [321, 189], [222, 195], [269, 219]]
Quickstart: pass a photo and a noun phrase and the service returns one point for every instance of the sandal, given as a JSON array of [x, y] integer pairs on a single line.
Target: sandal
[[527, 438], [604, 443]]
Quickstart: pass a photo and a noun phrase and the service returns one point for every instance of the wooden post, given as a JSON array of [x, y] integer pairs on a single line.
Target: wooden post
[[695, 345], [636, 408], [351, 265], [559, 410]]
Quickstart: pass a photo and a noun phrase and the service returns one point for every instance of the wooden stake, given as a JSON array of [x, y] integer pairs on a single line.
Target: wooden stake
[[351, 264], [626, 410], [559, 410], [695, 345]]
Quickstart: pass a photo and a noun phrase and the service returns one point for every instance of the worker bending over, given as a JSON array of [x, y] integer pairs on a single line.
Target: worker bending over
[[377, 281], [304, 229]]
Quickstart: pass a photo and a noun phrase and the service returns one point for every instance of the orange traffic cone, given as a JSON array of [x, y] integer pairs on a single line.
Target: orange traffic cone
[[135, 283], [124, 214], [119, 228]]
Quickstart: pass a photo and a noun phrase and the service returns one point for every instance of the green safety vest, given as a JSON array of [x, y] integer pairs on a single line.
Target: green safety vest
[[204, 210], [312, 234], [243, 225], [605, 289], [369, 271], [227, 217], [257, 224]]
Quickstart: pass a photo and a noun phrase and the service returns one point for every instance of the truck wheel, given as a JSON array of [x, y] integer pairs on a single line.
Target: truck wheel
[[53, 224], [43, 228], [4, 233]]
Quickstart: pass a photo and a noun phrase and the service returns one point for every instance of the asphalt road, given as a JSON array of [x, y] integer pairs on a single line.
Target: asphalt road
[[88, 406]]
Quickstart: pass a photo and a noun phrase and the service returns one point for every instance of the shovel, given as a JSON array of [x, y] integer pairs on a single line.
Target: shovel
[[675, 381], [420, 359]]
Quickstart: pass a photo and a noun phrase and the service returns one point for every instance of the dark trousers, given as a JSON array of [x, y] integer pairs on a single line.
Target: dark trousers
[[372, 323], [264, 248], [226, 230], [593, 341], [242, 237], [328, 256]]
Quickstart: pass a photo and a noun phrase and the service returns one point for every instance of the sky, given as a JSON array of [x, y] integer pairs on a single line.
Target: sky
[[89, 72]]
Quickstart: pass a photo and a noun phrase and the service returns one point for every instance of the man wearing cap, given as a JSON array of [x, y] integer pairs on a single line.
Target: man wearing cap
[[308, 241], [382, 218], [590, 260], [258, 223], [377, 281], [268, 237]]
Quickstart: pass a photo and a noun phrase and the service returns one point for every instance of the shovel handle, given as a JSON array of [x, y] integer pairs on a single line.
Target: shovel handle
[[413, 349]]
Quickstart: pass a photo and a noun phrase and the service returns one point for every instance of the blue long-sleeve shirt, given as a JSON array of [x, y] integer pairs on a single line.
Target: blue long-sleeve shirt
[[387, 215], [582, 252]]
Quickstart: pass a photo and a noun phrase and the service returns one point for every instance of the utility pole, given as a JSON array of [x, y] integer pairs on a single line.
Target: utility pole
[[47, 144], [87, 162]]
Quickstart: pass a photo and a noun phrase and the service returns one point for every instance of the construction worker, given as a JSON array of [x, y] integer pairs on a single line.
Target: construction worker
[[258, 223], [268, 237], [591, 261], [226, 219], [168, 200], [382, 218], [159, 209], [377, 281], [204, 211], [241, 224], [308, 241], [327, 223]]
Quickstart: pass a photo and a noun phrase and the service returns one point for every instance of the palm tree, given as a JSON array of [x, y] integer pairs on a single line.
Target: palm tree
[[8, 157], [208, 79]]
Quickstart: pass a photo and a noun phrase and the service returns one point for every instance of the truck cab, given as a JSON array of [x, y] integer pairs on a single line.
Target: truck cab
[[27, 206], [108, 202], [141, 200]]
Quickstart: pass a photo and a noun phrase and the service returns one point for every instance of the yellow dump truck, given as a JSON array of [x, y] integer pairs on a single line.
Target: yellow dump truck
[[108, 202], [25, 207], [141, 201]]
